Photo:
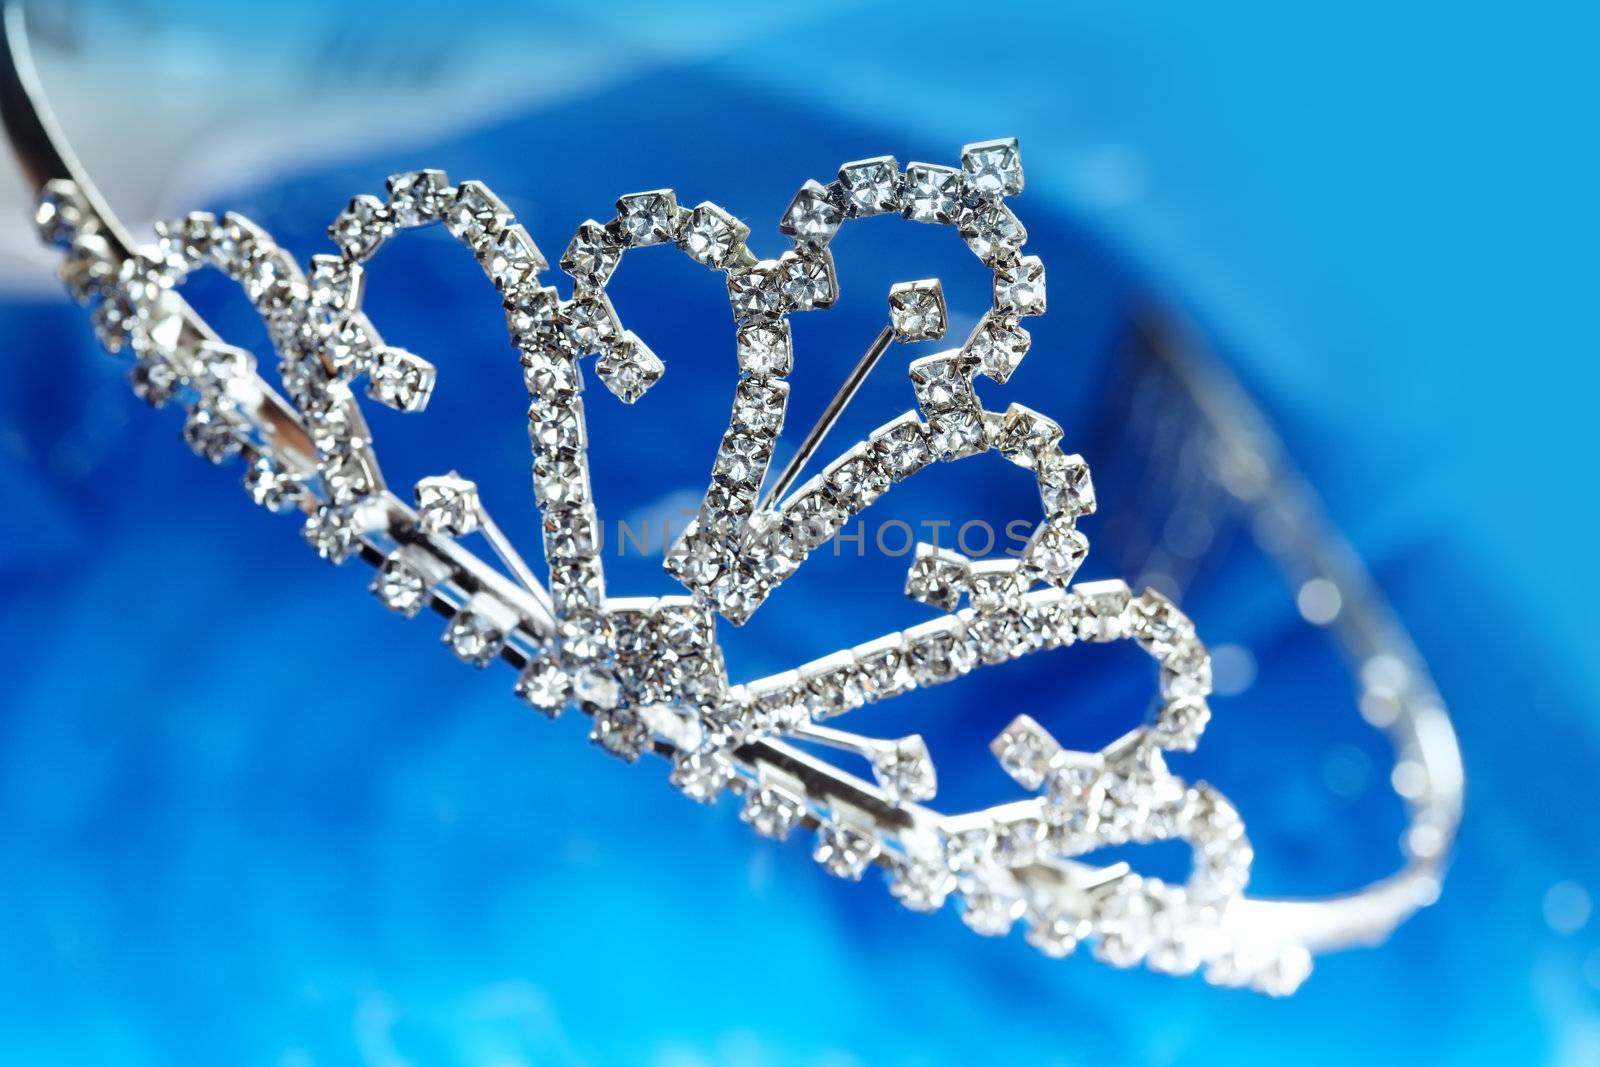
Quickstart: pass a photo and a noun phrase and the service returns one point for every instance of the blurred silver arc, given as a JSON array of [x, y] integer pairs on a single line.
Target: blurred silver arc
[[649, 671]]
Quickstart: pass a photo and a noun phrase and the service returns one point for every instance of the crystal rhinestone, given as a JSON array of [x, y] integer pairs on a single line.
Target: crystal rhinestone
[[474, 637], [1181, 722], [904, 770], [758, 406], [620, 732], [629, 369], [418, 197], [1074, 782], [723, 511], [956, 434], [477, 216], [816, 516], [648, 218], [1102, 610], [197, 230], [592, 255], [331, 531], [701, 776], [857, 479], [844, 851], [870, 186], [724, 507], [400, 586], [1049, 619], [88, 267], [997, 345], [272, 281], [176, 249], [575, 587], [60, 212], [1124, 923], [920, 883], [346, 347], [931, 193], [971, 850], [813, 215], [1186, 672], [345, 477], [1017, 843], [711, 235], [1064, 486], [833, 685], [809, 280], [941, 384], [884, 669], [1055, 552], [447, 504], [697, 558], [777, 702], [778, 548], [939, 651], [1056, 932], [185, 242], [270, 486], [999, 637], [993, 233], [772, 812], [679, 727], [988, 908], [993, 168], [902, 446], [576, 592], [937, 577], [765, 349], [742, 460], [591, 322], [512, 259], [572, 534], [544, 686], [1025, 750], [596, 689], [1158, 624], [916, 311], [234, 242], [1019, 288], [334, 285], [332, 422], [214, 433], [400, 380], [361, 227], [113, 320], [995, 586], [757, 291], [556, 425], [532, 314], [920, 880], [1027, 437]]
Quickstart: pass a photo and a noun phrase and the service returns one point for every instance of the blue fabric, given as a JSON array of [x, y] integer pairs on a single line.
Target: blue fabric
[[252, 818]]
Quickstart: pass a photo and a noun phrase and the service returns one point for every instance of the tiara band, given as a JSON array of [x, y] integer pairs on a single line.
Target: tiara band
[[649, 671]]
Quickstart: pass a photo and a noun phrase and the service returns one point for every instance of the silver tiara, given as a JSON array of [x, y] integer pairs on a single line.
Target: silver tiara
[[649, 671]]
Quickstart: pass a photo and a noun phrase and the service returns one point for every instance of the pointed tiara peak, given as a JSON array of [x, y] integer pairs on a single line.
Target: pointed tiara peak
[[649, 672]]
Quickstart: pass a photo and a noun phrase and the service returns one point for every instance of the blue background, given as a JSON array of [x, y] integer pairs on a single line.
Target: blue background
[[251, 818]]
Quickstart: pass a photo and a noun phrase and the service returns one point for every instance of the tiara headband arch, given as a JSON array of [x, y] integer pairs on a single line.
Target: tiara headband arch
[[649, 670]]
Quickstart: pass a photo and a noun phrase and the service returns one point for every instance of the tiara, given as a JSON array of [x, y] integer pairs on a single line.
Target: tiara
[[649, 672]]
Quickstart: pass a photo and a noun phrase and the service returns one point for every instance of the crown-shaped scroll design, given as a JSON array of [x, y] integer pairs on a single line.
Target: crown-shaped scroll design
[[650, 671]]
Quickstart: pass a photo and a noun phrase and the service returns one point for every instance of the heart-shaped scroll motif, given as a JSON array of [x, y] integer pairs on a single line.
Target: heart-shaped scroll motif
[[650, 671]]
